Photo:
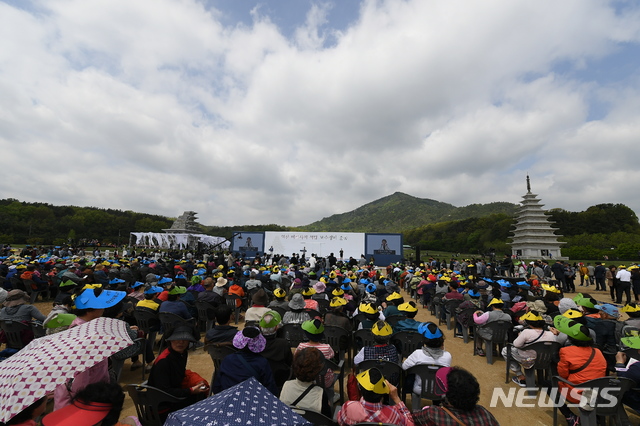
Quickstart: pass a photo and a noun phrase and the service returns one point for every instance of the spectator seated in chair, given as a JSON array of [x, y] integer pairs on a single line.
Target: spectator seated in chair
[[579, 362], [247, 362], [373, 387], [382, 349], [410, 310], [393, 301], [138, 291], [302, 392], [17, 308], [481, 318], [534, 332], [97, 404], [169, 372], [632, 397], [89, 305], [208, 295], [371, 313], [174, 305], [336, 316], [314, 331], [279, 302], [432, 352], [277, 350], [633, 310], [605, 327], [309, 303], [460, 407], [222, 331], [297, 313], [259, 308], [150, 301]]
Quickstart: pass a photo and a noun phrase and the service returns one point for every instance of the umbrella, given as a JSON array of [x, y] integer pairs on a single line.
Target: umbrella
[[247, 403], [51, 360]]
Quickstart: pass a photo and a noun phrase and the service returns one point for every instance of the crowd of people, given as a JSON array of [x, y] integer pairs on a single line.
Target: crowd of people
[[268, 298]]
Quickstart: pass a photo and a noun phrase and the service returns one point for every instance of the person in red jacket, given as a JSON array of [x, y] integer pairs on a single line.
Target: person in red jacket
[[578, 363]]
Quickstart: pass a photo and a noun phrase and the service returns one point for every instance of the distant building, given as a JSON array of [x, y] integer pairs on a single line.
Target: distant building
[[534, 237], [185, 224]]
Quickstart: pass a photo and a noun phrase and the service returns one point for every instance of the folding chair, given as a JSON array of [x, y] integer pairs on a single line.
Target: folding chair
[[231, 300], [217, 352], [340, 341], [465, 330], [407, 342], [500, 335], [390, 370], [293, 333], [604, 391], [338, 370], [362, 338], [31, 289], [206, 315], [314, 417], [392, 320], [427, 375], [450, 307], [546, 359], [13, 332], [148, 321], [149, 402]]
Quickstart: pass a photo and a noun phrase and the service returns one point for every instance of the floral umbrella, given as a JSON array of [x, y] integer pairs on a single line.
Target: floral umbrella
[[49, 361]]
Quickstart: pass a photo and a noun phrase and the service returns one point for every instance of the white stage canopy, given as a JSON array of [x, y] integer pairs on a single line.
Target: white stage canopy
[[178, 241]]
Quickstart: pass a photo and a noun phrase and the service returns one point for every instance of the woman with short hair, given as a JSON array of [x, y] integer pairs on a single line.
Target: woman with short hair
[[302, 392], [462, 393]]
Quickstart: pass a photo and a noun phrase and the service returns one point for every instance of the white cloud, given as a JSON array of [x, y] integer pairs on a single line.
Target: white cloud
[[157, 106]]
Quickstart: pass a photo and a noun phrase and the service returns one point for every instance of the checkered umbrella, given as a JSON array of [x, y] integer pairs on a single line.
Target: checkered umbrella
[[46, 362]]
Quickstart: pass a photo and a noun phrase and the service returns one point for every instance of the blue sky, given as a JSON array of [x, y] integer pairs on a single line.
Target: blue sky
[[286, 112]]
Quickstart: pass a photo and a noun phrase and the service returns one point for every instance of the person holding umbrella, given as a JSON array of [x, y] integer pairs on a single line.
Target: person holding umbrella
[[56, 360], [29, 415], [90, 304]]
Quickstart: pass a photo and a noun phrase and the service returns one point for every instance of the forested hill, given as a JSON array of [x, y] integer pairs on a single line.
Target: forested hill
[[41, 223], [46, 224], [400, 212]]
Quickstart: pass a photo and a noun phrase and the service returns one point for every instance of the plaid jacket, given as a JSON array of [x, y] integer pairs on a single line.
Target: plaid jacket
[[436, 416], [353, 412]]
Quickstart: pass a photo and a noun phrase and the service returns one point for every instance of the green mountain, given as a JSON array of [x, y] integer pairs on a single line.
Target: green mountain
[[400, 212]]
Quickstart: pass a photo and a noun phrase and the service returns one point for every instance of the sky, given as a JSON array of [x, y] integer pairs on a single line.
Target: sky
[[285, 112]]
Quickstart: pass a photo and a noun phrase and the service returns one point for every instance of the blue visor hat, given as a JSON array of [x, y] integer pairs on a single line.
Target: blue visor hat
[[154, 289], [106, 299], [424, 330]]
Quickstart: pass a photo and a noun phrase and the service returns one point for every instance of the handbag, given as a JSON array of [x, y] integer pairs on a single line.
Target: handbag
[[191, 379], [352, 388]]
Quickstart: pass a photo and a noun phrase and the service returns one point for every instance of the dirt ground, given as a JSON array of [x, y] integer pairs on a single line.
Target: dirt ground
[[489, 376]]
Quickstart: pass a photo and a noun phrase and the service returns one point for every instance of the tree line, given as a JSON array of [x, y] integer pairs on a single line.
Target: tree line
[[602, 231]]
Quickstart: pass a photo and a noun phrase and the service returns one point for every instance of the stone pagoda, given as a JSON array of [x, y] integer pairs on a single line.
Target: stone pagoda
[[533, 237], [185, 224]]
